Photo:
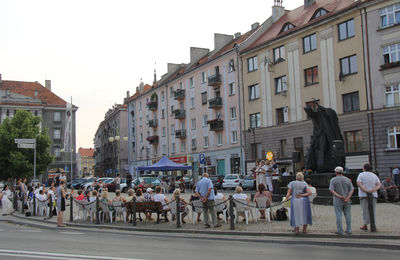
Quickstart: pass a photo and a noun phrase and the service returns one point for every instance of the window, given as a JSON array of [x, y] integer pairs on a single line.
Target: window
[[394, 137], [141, 138], [348, 65], [192, 102], [57, 153], [311, 76], [57, 134], [255, 120], [172, 129], [172, 109], [351, 102], [140, 106], [319, 13], [204, 98], [183, 146], [205, 141], [163, 113], [279, 54], [234, 137], [353, 141], [286, 27], [231, 65], [180, 85], [147, 118], [164, 149], [282, 115], [173, 148], [57, 116], [346, 30], [155, 151], [253, 92], [162, 96], [280, 85], [164, 131], [191, 82], [194, 143], [205, 119], [282, 148], [193, 121], [390, 15], [203, 77], [392, 94], [171, 91], [231, 89], [256, 151], [219, 139], [391, 53], [140, 121], [310, 43], [252, 64], [233, 113]]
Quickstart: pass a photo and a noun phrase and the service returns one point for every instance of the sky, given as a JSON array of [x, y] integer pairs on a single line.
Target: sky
[[96, 50]]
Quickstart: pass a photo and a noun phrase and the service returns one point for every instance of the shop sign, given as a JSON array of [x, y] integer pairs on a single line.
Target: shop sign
[[180, 159]]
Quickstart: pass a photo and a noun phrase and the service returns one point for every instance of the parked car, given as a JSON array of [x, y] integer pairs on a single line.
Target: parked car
[[75, 183], [217, 180], [112, 185], [249, 182], [232, 181], [149, 182]]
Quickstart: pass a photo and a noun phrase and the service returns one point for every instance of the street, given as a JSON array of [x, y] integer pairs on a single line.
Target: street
[[22, 242]]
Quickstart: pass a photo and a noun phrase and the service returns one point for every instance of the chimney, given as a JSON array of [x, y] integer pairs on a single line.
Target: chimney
[[220, 40], [197, 53], [47, 84], [277, 10], [237, 35], [255, 26], [308, 3], [172, 67], [127, 94]]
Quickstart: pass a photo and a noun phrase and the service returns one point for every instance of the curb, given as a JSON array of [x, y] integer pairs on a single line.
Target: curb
[[196, 231]]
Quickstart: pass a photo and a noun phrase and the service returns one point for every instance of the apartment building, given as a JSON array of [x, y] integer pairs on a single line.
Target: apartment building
[[42, 102], [312, 54], [85, 161]]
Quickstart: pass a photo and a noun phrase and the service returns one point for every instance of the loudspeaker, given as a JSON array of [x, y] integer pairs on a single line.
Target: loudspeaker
[[338, 148], [296, 157]]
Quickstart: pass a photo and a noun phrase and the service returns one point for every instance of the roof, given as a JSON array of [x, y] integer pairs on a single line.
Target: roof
[[301, 17], [86, 152], [47, 97]]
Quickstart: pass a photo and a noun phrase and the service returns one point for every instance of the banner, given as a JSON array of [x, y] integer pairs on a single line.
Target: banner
[[68, 128]]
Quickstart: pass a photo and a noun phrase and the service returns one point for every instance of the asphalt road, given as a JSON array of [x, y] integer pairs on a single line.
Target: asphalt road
[[22, 242]]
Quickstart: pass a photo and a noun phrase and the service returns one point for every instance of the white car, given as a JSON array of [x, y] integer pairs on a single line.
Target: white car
[[232, 181]]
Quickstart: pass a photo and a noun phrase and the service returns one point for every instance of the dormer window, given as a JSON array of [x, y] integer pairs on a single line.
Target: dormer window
[[287, 26], [320, 12]]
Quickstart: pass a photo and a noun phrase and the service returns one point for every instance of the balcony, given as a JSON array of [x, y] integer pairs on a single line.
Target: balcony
[[153, 123], [180, 133], [179, 94], [153, 139], [216, 124], [179, 113], [215, 102], [152, 105], [215, 80]]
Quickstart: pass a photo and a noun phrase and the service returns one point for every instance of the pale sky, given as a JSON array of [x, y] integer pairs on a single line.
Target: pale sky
[[95, 50]]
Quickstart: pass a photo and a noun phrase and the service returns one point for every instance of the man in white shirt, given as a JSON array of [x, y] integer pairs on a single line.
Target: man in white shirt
[[368, 183]]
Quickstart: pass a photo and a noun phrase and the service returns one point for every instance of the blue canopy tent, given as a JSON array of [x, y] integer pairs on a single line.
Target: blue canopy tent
[[164, 164]]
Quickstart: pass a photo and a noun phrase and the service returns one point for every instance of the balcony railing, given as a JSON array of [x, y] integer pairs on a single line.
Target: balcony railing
[[153, 123], [179, 94], [180, 133], [215, 102], [153, 139], [216, 124], [152, 105], [215, 80], [179, 113]]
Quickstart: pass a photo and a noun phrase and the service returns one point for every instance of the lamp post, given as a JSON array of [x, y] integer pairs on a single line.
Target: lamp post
[[118, 149], [252, 129]]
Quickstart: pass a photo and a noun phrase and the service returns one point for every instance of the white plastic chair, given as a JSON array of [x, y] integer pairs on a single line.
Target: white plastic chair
[[198, 208], [91, 210], [221, 208], [240, 207], [172, 207], [262, 205], [119, 210], [104, 210]]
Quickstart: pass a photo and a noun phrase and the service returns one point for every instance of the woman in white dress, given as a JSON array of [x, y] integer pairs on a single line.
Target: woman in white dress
[[261, 174], [7, 207]]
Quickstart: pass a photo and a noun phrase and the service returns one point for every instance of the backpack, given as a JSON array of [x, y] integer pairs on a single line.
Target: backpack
[[281, 214]]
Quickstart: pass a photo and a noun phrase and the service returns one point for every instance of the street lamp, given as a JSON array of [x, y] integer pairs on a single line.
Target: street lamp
[[252, 129]]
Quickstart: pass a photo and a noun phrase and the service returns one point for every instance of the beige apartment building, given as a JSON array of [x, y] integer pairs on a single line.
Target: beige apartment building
[[312, 53]]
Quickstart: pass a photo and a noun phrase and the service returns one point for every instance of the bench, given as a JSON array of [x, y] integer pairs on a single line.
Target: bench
[[147, 207]]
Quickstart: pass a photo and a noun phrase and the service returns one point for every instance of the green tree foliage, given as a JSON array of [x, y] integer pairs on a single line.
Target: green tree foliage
[[16, 162]]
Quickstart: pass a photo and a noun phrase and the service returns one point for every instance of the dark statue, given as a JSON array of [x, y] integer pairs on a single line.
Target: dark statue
[[321, 155]]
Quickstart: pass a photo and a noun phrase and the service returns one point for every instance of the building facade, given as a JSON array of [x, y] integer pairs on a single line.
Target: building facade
[[85, 161], [111, 143], [42, 102]]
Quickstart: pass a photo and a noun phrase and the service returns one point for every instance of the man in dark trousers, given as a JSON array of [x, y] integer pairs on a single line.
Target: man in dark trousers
[[342, 190]]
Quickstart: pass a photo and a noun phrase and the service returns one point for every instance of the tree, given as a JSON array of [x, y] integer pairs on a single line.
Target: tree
[[16, 162]]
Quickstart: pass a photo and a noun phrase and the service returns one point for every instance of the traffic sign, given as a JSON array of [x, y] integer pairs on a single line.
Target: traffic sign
[[25, 141], [23, 145]]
